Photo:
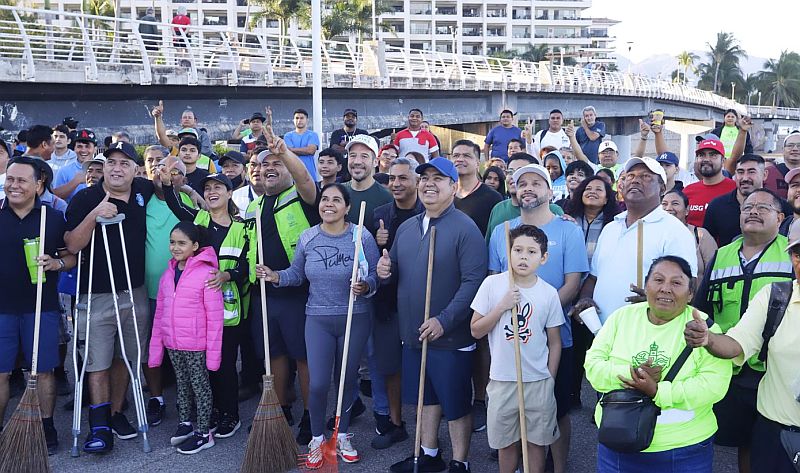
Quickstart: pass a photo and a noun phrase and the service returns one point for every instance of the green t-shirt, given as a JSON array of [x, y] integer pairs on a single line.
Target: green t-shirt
[[505, 211], [728, 138], [160, 221], [628, 338]]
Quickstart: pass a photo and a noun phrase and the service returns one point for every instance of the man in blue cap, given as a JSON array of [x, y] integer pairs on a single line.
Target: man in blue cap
[[459, 267], [670, 162]]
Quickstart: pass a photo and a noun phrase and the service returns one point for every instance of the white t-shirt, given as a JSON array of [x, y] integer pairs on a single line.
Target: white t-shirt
[[538, 309], [557, 140], [242, 198], [614, 260]]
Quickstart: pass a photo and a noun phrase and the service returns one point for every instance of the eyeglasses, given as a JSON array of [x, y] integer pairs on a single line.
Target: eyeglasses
[[792, 145], [761, 209]]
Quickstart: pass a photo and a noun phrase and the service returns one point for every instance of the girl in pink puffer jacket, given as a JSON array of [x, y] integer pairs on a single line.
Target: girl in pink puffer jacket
[[188, 323]]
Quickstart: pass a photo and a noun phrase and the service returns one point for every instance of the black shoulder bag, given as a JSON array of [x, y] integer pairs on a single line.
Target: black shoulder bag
[[629, 416]]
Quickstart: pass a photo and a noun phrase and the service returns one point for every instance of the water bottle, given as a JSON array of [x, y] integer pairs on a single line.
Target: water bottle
[[227, 295]]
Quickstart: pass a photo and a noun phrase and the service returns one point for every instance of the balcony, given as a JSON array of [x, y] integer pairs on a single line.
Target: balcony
[[470, 31], [446, 11], [495, 32], [420, 30], [521, 15], [420, 11], [496, 13]]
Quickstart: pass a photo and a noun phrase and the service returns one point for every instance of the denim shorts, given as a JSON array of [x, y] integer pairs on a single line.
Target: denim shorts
[[448, 380], [697, 458]]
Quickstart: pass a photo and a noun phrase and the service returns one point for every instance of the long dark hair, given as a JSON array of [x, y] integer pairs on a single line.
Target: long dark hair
[[575, 206], [500, 174]]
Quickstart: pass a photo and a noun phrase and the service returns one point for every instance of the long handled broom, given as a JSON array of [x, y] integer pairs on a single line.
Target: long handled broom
[[22, 444], [270, 447], [523, 430], [423, 364], [330, 463]]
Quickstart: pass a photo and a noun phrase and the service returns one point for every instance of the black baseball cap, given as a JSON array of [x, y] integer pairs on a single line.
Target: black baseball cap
[[86, 136], [232, 155], [258, 116], [70, 121], [219, 177], [122, 147], [350, 111]]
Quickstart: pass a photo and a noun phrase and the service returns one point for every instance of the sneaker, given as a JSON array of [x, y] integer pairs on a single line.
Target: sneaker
[[345, 449], [155, 411], [389, 437], [183, 432], [122, 428], [427, 464], [227, 426], [479, 416], [458, 467], [195, 443], [382, 423], [287, 412], [304, 433], [356, 410], [314, 457], [213, 422], [51, 437]]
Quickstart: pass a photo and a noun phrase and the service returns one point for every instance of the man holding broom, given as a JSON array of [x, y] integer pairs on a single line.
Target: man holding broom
[[20, 214], [459, 266]]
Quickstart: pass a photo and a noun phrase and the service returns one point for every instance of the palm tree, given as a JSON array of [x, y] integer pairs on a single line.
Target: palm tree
[[723, 66], [686, 60], [535, 53], [282, 10], [781, 79], [354, 16]]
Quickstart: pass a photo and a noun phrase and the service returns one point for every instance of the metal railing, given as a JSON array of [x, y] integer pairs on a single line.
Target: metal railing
[[75, 47], [766, 111]]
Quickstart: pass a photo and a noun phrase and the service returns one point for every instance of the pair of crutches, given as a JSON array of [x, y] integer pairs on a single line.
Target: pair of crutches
[[80, 372]]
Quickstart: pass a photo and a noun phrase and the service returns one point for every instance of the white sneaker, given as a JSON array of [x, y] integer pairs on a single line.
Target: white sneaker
[[314, 457], [345, 449]]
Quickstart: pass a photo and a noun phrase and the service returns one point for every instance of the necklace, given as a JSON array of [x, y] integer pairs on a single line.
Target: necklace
[[478, 184]]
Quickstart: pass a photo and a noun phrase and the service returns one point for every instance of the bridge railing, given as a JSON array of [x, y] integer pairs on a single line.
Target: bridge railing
[[86, 48], [765, 111]]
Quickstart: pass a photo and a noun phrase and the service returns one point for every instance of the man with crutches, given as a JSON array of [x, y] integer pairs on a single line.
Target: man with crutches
[[107, 223], [20, 220], [459, 266]]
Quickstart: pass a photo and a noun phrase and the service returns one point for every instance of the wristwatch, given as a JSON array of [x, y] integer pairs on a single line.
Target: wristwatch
[[61, 264]]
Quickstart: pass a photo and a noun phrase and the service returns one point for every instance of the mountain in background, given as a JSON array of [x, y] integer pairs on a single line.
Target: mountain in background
[[664, 64]]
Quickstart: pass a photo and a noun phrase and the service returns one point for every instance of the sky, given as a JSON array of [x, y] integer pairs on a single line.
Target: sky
[[672, 26]]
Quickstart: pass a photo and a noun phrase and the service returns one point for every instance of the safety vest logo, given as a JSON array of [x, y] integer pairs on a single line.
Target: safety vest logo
[[658, 356], [523, 318]]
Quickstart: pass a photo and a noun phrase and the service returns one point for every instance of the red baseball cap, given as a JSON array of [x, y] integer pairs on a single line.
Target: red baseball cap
[[716, 145]]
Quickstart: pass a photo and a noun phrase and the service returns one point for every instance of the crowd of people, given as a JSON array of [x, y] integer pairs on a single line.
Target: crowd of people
[[628, 271]]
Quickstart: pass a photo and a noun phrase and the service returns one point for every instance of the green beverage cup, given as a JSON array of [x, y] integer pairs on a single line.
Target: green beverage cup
[[31, 246]]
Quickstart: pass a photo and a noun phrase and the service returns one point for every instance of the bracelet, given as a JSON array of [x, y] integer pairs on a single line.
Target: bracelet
[[643, 138], [61, 264]]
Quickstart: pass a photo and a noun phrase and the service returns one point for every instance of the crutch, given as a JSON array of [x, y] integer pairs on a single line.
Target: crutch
[[135, 375], [80, 373], [424, 362]]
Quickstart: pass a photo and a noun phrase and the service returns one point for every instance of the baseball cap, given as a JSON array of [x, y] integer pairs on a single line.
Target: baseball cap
[[791, 175], [794, 235], [233, 156], [87, 136], [99, 159], [651, 164], [187, 131], [219, 177], [791, 134], [178, 164], [122, 147], [365, 140], [533, 168], [258, 116], [706, 136], [443, 165], [712, 143], [668, 157], [350, 111], [70, 121], [172, 133], [607, 144]]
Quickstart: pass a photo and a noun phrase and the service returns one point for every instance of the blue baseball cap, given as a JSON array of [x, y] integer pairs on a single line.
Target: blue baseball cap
[[668, 157], [443, 165]]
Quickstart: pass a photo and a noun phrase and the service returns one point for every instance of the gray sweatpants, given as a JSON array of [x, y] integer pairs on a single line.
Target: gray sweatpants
[[324, 347]]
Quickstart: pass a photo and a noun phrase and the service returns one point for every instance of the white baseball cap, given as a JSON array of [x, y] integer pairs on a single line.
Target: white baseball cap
[[99, 159], [365, 140], [794, 235], [651, 164], [536, 169], [607, 144]]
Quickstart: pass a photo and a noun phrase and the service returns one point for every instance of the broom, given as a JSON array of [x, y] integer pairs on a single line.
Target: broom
[[270, 447], [523, 430], [424, 362], [22, 444]]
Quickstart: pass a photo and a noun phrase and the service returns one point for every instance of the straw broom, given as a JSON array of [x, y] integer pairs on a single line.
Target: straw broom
[[523, 427], [270, 446], [22, 444]]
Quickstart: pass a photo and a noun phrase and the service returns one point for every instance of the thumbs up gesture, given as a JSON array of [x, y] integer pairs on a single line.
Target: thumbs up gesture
[[105, 209], [696, 332], [384, 268], [158, 110], [382, 235]]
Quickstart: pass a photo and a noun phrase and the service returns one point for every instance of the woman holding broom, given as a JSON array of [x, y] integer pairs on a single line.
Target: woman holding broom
[[324, 257]]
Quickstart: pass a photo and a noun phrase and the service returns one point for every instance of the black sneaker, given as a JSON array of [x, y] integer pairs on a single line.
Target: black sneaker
[[383, 423], [427, 464], [356, 410], [155, 411], [51, 437], [304, 433], [458, 467], [390, 436], [227, 426], [183, 432], [195, 443], [479, 416], [122, 428], [365, 386], [287, 412], [213, 422]]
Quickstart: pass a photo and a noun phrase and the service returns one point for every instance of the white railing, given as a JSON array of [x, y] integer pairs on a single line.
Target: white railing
[[75, 47], [765, 111]]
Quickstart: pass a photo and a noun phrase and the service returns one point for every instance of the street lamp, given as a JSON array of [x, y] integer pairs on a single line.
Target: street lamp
[[733, 90], [759, 98]]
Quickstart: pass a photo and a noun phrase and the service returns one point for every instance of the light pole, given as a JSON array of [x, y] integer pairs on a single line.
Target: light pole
[[316, 68], [733, 90], [759, 98], [374, 23], [630, 59]]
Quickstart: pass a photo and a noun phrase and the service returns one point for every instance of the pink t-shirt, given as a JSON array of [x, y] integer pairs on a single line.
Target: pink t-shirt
[[700, 195], [420, 141]]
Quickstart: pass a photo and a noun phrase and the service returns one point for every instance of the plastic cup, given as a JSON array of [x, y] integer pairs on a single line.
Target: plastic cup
[[591, 320], [658, 117], [31, 246]]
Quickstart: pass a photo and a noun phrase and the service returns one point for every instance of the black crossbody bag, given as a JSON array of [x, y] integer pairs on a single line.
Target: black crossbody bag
[[629, 416]]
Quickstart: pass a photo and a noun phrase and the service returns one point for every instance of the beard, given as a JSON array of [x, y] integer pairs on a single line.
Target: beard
[[536, 203], [709, 170]]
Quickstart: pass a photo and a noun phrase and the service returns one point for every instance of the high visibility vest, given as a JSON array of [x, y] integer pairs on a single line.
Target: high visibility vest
[[235, 299], [204, 162], [730, 289]]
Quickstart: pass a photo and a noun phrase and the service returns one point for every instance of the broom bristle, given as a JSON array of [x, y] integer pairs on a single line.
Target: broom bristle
[[271, 447], [23, 448]]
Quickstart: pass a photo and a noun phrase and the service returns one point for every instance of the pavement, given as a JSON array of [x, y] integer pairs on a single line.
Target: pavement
[[226, 455]]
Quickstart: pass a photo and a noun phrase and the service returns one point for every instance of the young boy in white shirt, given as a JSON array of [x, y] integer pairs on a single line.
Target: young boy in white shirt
[[539, 316]]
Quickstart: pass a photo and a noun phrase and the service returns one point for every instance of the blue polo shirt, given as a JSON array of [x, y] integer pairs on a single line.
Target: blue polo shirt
[[588, 146], [499, 137]]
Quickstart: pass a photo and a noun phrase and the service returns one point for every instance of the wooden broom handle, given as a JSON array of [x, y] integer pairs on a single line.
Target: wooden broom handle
[[39, 287], [424, 362], [639, 253], [263, 286]]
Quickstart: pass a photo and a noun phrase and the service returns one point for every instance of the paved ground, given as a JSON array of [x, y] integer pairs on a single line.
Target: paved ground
[[226, 456]]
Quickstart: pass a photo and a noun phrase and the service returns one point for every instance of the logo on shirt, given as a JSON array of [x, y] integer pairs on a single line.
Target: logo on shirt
[[658, 356], [523, 317], [140, 200]]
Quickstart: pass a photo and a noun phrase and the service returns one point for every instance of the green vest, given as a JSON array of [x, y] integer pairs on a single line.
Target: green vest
[[289, 218], [204, 162], [730, 289], [235, 301]]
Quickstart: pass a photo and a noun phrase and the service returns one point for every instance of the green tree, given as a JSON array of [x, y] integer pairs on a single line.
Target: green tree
[[351, 17], [535, 53], [781, 79], [282, 10], [686, 60], [723, 66]]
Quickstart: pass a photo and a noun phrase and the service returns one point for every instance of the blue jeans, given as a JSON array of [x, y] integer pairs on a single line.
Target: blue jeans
[[380, 400], [697, 458]]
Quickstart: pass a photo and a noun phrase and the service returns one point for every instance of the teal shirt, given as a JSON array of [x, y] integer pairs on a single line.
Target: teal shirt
[[160, 221]]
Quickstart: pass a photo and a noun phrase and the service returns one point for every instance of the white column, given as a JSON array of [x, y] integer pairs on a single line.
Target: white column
[[316, 71]]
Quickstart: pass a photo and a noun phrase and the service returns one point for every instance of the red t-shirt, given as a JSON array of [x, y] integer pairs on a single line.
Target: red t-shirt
[[700, 195], [181, 20], [420, 141]]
